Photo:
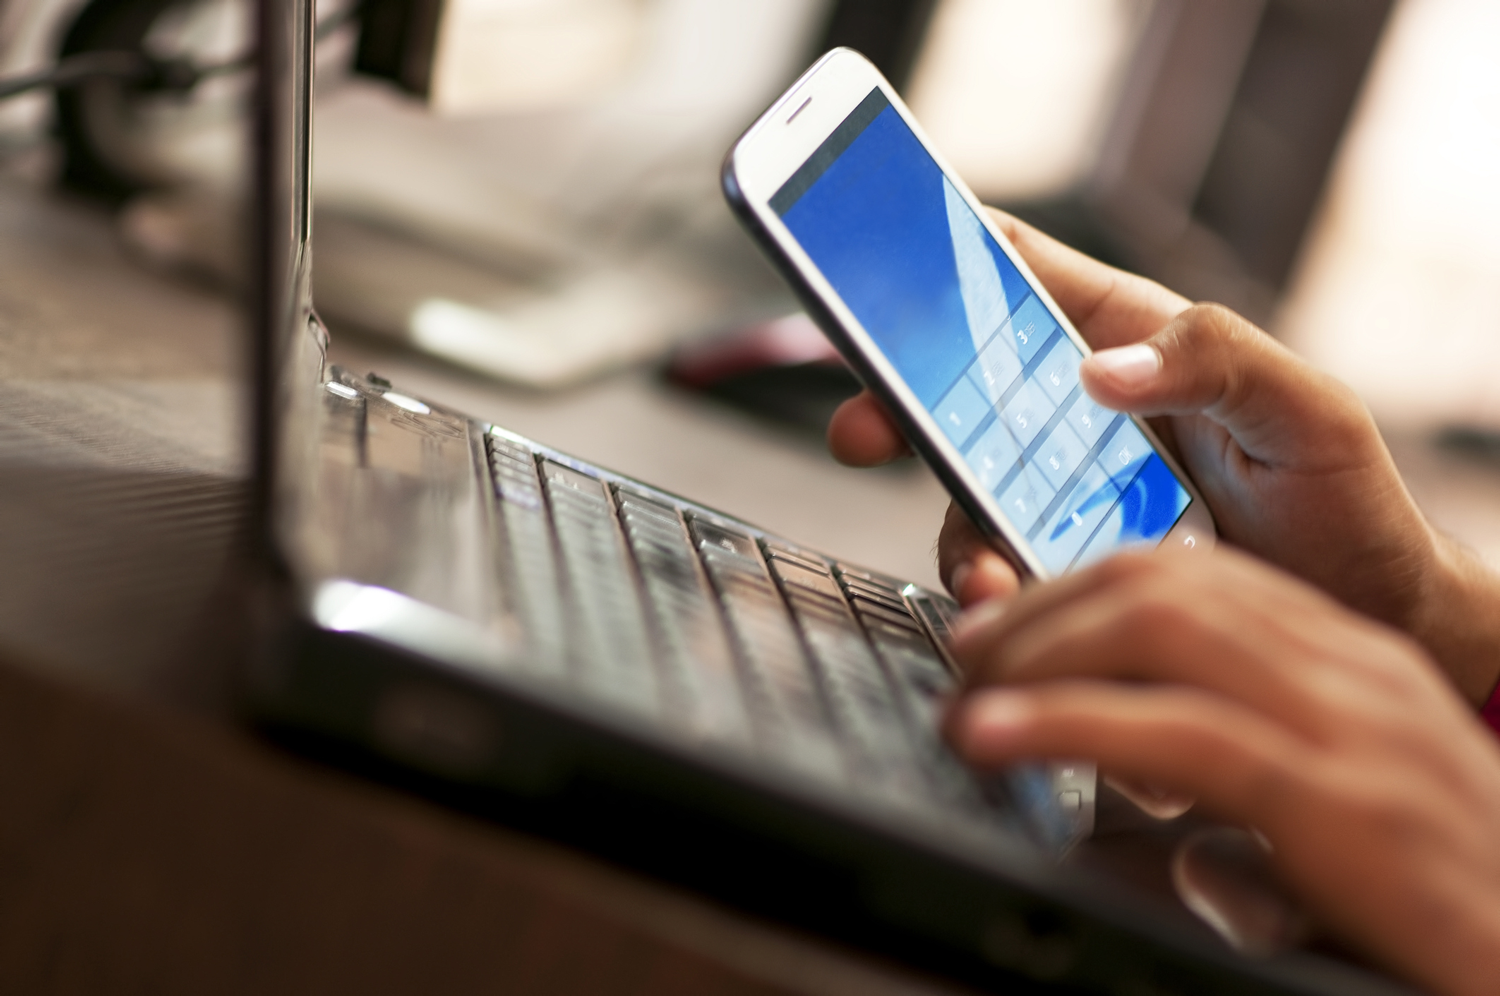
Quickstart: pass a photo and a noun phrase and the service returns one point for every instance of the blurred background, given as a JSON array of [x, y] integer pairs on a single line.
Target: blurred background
[[527, 190]]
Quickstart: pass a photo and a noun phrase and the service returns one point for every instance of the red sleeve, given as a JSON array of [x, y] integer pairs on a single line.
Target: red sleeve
[[1491, 711]]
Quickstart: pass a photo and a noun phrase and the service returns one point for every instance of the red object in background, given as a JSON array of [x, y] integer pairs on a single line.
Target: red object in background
[[792, 340], [782, 371], [1491, 712]]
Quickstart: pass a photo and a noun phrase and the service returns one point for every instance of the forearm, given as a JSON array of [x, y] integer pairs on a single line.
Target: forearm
[[1459, 621]]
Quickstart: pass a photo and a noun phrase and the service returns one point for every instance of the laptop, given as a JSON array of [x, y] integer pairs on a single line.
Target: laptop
[[453, 606]]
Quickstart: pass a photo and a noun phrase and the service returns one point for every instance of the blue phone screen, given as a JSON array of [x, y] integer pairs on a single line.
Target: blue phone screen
[[985, 356]]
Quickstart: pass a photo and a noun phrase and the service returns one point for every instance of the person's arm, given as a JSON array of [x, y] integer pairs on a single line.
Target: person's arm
[[1288, 458], [1335, 737]]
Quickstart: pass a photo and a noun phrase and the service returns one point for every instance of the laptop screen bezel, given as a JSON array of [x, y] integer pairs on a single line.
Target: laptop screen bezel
[[279, 303]]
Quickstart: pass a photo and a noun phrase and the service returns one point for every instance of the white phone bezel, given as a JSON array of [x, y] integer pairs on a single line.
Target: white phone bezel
[[777, 145]]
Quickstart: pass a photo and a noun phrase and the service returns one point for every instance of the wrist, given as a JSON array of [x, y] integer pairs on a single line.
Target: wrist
[[1458, 619]]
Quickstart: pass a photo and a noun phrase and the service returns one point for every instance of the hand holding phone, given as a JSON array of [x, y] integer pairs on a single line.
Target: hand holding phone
[[1291, 459], [944, 322]]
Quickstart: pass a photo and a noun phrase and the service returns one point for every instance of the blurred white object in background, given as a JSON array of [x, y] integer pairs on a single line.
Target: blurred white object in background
[[542, 339], [1396, 293], [582, 236], [1018, 94], [509, 55], [27, 44]]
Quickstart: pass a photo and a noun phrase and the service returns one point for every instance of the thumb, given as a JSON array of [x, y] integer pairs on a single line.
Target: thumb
[[1209, 361]]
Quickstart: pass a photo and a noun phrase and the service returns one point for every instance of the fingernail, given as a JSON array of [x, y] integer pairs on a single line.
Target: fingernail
[[977, 617], [1129, 366], [956, 580]]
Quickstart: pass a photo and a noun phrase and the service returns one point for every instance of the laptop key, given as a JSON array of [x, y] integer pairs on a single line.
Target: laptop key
[[870, 610], [609, 649], [909, 701], [871, 589], [919, 671], [878, 584], [529, 569], [802, 558], [786, 703], [716, 540], [806, 576], [923, 681], [702, 686], [866, 711], [938, 612]]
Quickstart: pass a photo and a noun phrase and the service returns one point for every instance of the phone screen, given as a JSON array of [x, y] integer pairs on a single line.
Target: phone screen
[[983, 354]]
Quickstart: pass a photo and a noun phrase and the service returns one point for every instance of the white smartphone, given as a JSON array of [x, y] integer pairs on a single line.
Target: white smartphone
[[938, 314]]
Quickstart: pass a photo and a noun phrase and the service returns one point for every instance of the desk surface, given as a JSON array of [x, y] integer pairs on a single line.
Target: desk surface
[[148, 846]]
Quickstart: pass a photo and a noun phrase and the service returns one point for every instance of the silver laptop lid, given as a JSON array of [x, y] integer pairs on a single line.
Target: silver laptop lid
[[286, 343]]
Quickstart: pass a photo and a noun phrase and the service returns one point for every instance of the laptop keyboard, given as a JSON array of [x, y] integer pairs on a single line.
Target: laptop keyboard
[[724, 634]]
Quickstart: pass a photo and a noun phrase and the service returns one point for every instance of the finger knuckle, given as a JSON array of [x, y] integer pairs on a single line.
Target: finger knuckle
[[1268, 779], [1267, 788], [1165, 620], [1346, 418], [1208, 326], [1211, 318], [1218, 747], [1200, 323], [1154, 617], [1384, 807]]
